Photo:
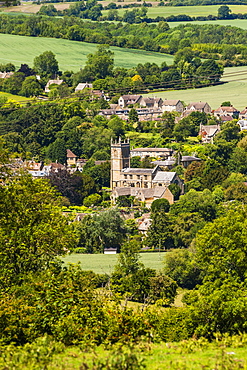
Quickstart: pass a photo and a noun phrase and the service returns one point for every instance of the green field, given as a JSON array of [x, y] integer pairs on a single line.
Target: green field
[[185, 355], [71, 55], [240, 23], [193, 11], [104, 263], [17, 98], [234, 91]]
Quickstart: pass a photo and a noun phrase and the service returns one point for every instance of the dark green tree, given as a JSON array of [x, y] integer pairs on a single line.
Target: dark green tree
[[46, 64], [159, 234], [101, 63], [224, 12]]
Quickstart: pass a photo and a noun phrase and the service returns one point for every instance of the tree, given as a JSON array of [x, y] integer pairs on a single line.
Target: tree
[[46, 64], [180, 265], [101, 63], [33, 230], [75, 186], [224, 12], [103, 230], [31, 87], [92, 200], [160, 232], [221, 247], [133, 115], [13, 84], [24, 68], [57, 151], [202, 202], [160, 204], [131, 279]]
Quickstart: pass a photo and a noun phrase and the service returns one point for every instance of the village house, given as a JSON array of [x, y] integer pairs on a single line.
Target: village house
[[126, 100], [82, 86], [52, 82], [172, 106], [185, 161], [199, 107], [146, 184], [223, 112], [71, 158], [149, 102], [151, 152], [6, 74], [243, 114], [242, 124], [208, 132]]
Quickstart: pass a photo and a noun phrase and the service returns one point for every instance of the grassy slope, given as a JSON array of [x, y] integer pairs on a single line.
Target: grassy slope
[[17, 98], [71, 55], [234, 91], [104, 264]]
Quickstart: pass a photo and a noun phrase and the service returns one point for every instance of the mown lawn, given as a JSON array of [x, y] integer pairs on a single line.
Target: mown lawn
[[234, 91], [71, 55], [104, 263]]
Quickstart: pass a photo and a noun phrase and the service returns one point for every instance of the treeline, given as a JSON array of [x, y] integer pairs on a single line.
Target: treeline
[[153, 37], [91, 9], [206, 2]]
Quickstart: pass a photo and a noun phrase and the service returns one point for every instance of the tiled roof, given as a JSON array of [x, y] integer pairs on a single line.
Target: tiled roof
[[164, 176]]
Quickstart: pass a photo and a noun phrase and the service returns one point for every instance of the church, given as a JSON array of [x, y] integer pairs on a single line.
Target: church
[[145, 184]]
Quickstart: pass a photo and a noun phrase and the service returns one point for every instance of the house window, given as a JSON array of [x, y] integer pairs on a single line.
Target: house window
[[145, 177], [145, 185], [138, 177], [131, 177], [125, 176], [160, 184]]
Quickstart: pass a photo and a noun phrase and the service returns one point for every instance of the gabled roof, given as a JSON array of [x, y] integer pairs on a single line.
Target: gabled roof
[[189, 158], [70, 154], [197, 105], [230, 109], [152, 150], [82, 86], [171, 102], [132, 98], [56, 82], [209, 130], [244, 111], [164, 176], [144, 171]]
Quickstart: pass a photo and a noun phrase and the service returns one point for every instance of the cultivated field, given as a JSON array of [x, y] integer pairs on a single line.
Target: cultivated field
[[195, 11], [234, 91], [104, 263], [71, 55]]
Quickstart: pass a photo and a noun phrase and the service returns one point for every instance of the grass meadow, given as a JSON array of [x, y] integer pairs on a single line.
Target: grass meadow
[[104, 263], [186, 355], [71, 55], [235, 90]]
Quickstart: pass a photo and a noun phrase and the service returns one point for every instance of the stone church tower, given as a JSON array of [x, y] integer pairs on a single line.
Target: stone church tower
[[120, 158]]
